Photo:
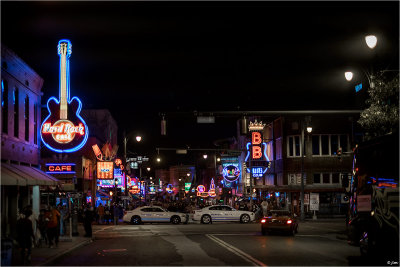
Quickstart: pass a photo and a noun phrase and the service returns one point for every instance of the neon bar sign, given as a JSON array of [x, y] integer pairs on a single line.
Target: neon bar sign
[[60, 168], [257, 150], [105, 170], [64, 130]]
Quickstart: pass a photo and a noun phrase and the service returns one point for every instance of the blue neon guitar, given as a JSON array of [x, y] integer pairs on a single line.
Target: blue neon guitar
[[64, 130]]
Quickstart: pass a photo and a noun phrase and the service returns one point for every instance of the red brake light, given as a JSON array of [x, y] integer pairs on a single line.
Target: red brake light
[[289, 222], [263, 220]]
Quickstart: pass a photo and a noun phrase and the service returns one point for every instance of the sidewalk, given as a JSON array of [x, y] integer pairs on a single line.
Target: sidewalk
[[44, 255]]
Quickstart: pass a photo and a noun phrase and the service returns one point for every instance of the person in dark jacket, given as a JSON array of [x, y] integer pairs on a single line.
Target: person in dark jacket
[[25, 236], [87, 221]]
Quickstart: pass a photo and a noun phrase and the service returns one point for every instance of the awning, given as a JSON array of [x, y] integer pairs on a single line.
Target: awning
[[13, 174]]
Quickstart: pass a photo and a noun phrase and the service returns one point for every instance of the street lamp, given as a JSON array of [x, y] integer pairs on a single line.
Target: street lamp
[[306, 125], [371, 41]]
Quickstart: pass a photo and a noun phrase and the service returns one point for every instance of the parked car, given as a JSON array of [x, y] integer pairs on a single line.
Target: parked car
[[222, 213], [154, 214], [279, 220]]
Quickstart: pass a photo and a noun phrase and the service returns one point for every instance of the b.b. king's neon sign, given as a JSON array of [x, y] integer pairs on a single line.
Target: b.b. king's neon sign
[[257, 151], [64, 130]]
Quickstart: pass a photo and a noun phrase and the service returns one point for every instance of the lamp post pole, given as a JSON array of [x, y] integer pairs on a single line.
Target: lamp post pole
[[302, 215]]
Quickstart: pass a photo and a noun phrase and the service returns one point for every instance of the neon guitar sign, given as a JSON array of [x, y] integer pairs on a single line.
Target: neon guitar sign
[[64, 130]]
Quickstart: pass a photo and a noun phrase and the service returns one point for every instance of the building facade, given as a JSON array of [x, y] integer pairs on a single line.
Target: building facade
[[324, 159], [21, 179]]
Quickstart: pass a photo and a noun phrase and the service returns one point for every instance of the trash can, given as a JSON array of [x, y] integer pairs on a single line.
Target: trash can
[[6, 252]]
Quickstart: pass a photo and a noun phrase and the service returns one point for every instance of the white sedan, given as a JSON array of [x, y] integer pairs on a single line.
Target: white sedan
[[154, 214], [222, 213]]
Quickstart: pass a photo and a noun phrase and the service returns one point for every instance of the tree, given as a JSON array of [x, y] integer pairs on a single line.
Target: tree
[[382, 115]]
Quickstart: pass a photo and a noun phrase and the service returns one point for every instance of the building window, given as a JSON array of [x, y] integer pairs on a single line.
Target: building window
[[294, 149], [326, 178], [315, 145], [335, 178], [334, 144], [35, 122], [4, 105], [317, 178], [328, 145], [16, 112], [26, 117]]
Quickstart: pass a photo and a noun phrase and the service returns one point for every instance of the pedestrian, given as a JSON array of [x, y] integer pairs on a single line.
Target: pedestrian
[[42, 223], [87, 220], [53, 227], [107, 214], [264, 206], [25, 236], [116, 214], [100, 211]]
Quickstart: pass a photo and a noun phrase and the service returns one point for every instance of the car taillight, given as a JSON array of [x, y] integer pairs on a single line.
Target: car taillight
[[289, 222], [263, 220]]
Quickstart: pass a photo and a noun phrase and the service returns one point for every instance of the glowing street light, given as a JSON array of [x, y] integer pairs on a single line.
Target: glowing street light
[[348, 75], [371, 41], [138, 138], [205, 156]]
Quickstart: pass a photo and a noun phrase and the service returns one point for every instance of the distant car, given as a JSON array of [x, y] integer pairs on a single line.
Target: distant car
[[154, 214], [279, 220], [222, 213]]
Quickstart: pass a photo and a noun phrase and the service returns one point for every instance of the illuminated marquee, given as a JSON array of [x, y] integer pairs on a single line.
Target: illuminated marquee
[[64, 130], [231, 172], [60, 168], [257, 151], [105, 170]]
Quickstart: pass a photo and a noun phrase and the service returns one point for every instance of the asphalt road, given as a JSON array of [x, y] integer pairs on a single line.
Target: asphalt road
[[217, 244]]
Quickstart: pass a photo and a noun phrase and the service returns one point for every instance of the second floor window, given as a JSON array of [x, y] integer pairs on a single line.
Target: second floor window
[[328, 144], [294, 146], [4, 105], [16, 112], [26, 117]]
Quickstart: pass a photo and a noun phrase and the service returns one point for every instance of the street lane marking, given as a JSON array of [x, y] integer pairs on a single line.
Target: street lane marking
[[236, 251]]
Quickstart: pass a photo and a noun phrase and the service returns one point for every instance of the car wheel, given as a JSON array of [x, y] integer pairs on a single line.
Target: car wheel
[[245, 218], [206, 219], [175, 220], [136, 220]]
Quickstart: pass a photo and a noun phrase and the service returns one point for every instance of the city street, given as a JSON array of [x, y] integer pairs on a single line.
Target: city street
[[217, 244]]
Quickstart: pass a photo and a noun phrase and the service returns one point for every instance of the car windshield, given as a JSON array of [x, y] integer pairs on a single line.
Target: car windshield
[[279, 213]]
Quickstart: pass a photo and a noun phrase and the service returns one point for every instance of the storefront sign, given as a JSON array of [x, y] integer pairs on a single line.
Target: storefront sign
[[64, 130], [257, 151], [231, 172], [187, 187], [105, 170], [60, 168], [134, 189]]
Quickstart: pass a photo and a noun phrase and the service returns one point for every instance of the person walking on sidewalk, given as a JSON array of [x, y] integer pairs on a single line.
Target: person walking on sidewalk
[[107, 214], [87, 220], [116, 214], [100, 211], [25, 236], [53, 227]]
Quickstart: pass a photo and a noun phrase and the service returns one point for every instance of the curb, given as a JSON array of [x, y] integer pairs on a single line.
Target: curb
[[49, 260]]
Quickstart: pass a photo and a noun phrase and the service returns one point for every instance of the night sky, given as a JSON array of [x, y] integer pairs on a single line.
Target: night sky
[[138, 59]]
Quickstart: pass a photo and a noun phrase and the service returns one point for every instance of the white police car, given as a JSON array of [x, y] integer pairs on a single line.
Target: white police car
[[154, 214], [222, 213]]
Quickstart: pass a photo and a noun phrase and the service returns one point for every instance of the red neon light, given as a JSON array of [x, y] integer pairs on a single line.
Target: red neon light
[[63, 168], [256, 138], [63, 131], [257, 152]]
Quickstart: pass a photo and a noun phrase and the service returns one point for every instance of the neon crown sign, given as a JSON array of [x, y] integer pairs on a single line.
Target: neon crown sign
[[64, 130]]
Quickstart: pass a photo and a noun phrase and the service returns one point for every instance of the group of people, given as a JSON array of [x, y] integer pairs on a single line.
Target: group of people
[[44, 228]]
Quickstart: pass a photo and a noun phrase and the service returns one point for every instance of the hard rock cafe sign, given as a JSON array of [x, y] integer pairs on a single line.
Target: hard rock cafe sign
[[64, 130]]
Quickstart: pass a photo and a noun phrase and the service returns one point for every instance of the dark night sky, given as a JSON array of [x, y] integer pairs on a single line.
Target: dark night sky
[[140, 58]]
